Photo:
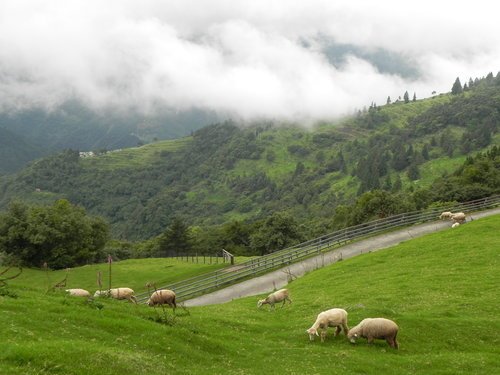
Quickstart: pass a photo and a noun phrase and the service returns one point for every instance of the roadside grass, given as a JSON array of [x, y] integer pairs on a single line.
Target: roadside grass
[[441, 289]]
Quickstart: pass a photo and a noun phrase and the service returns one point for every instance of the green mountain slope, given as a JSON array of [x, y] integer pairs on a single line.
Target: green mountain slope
[[223, 173], [76, 126], [15, 151], [443, 297]]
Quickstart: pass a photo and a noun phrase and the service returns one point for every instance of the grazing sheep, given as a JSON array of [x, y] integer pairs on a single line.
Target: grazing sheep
[[375, 328], [162, 297], [454, 225], [118, 293], [329, 318], [78, 292], [278, 296], [459, 217], [445, 215]]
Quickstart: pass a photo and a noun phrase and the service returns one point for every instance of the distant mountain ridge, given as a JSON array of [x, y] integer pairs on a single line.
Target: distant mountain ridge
[[75, 126], [16, 151]]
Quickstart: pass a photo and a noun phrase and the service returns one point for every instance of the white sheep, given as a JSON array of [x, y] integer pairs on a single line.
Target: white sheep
[[78, 292], [454, 225], [445, 215], [375, 328], [275, 297], [118, 293], [162, 297], [459, 217], [329, 318]]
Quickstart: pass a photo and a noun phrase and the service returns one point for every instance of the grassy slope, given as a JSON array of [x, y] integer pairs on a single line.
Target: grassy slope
[[133, 273], [441, 289]]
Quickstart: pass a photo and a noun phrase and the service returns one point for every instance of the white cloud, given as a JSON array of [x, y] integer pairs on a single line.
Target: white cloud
[[238, 57]]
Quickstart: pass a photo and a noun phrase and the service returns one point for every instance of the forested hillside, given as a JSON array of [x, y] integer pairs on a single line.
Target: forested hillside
[[15, 152], [397, 157], [75, 126]]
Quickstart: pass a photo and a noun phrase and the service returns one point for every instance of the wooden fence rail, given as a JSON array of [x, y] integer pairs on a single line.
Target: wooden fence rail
[[209, 282]]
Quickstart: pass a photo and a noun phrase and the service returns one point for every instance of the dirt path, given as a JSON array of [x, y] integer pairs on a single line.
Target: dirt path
[[279, 278]]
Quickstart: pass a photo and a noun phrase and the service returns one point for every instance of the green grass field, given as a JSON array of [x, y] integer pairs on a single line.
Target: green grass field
[[133, 273], [442, 290]]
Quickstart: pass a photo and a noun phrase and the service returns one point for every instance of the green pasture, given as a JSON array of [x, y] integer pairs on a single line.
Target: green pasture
[[136, 156], [133, 273], [441, 289]]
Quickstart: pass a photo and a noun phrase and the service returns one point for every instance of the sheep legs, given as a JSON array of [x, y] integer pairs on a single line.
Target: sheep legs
[[392, 342], [284, 301]]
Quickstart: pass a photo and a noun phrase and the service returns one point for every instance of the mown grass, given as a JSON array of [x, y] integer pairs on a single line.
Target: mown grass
[[442, 290], [136, 157]]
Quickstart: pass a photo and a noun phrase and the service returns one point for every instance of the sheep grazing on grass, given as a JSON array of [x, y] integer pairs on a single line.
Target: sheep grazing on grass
[[454, 225], [375, 328], [459, 217], [78, 292], [445, 215], [329, 318], [118, 293], [281, 295], [162, 297]]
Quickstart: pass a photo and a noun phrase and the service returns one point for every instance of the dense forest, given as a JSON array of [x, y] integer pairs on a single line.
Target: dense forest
[[265, 186]]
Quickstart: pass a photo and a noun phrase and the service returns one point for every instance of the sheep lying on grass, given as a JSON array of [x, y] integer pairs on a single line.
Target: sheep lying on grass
[[329, 318], [375, 328], [454, 225], [118, 293], [78, 292], [162, 297], [281, 295]]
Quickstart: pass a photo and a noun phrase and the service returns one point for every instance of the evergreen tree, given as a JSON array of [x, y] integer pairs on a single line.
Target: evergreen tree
[[176, 239], [397, 185], [457, 87], [406, 97], [413, 172], [425, 152], [471, 83], [399, 157], [414, 96], [387, 186], [388, 100]]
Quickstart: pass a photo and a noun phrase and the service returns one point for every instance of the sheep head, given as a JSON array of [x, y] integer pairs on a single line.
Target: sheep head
[[312, 331], [352, 336], [261, 302]]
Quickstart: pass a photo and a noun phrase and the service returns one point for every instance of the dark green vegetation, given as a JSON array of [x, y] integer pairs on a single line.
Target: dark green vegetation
[[15, 151], [441, 289], [227, 176], [75, 125], [61, 235]]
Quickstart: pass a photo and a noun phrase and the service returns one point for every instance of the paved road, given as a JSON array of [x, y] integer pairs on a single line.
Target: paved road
[[279, 278]]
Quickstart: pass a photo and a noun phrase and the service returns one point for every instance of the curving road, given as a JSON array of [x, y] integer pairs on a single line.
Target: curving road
[[279, 278]]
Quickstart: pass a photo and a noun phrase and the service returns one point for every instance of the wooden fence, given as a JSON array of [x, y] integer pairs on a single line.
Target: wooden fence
[[209, 282]]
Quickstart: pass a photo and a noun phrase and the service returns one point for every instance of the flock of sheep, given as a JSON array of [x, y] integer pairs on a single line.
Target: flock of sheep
[[457, 218], [159, 297], [369, 328]]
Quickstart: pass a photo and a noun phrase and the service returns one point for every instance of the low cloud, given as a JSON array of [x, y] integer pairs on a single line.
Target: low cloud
[[254, 59]]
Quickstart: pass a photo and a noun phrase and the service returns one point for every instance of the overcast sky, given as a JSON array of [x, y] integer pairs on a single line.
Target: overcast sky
[[250, 59]]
